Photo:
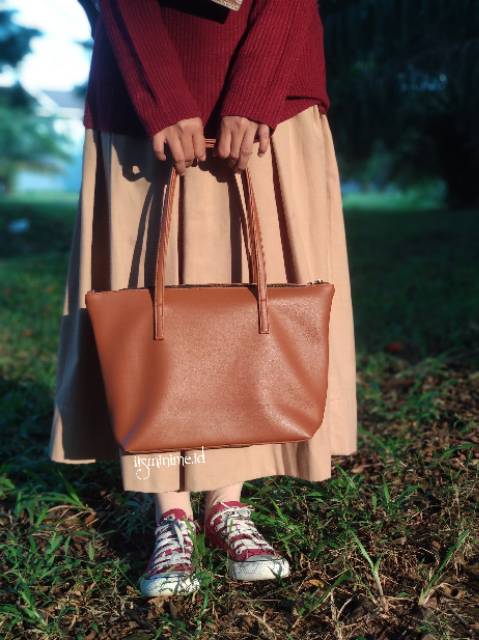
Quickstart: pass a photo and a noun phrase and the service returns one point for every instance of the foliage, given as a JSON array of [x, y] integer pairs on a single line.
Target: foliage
[[406, 73], [26, 140], [14, 39]]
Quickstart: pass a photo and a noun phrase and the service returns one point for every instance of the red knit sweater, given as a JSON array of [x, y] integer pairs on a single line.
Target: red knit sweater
[[155, 62]]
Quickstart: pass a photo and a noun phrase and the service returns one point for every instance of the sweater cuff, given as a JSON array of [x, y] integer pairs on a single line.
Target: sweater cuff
[[248, 103]]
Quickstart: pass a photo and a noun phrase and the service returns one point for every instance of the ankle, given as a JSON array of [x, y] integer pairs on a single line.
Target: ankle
[[172, 500], [223, 494], [177, 513], [217, 506]]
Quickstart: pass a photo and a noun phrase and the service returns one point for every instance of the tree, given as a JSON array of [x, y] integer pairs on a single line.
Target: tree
[[14, 40], [26, 140], [406, 73]]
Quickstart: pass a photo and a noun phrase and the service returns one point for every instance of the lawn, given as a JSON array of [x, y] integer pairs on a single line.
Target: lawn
[[386, 549]]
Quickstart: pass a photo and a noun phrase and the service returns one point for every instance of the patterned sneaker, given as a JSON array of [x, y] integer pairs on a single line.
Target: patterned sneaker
[[228, 526], [169, 570]]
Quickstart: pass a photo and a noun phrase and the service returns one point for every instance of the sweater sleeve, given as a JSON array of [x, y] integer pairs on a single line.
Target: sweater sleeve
[[148, 62], [257, 84]]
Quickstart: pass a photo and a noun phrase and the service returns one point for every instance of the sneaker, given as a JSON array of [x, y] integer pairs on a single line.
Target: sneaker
[[170, 570], [228, 526]]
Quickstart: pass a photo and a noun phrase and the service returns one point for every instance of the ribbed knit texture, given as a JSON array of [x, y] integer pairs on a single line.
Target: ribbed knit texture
[[156, 62]]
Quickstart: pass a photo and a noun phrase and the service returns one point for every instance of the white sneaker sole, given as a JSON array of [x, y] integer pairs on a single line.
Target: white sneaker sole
[[168, 585], [258, 569]]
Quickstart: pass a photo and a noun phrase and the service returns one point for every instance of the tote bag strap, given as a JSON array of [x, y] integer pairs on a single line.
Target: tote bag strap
[[255, 244]]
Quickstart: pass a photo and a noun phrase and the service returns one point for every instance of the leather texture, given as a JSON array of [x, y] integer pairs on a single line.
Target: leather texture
[[213, 365]]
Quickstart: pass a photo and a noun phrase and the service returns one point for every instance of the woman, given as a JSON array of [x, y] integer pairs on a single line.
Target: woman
[[165, 75]]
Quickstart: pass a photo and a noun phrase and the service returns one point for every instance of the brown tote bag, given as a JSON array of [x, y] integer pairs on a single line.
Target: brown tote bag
[[187, 366]]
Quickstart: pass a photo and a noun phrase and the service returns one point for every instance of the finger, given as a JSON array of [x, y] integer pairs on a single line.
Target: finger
[[176, 149], [199, 145], [159, 147], [223, 145], [235, 151], [188, 148], [246, 148], [264, 139]]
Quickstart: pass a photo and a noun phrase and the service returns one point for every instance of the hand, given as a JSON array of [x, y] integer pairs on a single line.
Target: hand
[[186, 141], [236, 138]]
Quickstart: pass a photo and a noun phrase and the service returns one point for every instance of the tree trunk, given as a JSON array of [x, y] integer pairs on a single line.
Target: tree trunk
[[458, 162]]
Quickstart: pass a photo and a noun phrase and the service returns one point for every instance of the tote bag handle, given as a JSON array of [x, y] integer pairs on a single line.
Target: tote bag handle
[[256, 250]]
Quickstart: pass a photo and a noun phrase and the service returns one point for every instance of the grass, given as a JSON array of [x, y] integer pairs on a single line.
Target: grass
[[386, 549]]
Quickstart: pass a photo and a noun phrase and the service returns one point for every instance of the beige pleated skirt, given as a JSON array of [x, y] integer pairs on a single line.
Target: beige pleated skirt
[[114, 241]]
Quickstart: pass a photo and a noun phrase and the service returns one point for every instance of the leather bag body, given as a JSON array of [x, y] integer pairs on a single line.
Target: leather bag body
[[188, 366]]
